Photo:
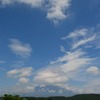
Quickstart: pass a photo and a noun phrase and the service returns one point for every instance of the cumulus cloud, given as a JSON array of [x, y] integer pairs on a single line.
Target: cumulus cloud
[[63, 69], [93, 70], [22, 72], [71, 66], [30, 87], [56, 9], [50, 76], [23, 80], [20, 49]]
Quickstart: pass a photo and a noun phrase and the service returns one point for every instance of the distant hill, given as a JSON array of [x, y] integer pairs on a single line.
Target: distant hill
[[86, 97], [76, 97]]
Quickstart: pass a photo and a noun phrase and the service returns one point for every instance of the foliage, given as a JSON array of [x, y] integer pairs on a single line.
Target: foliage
[[76, 97], [11, 97]]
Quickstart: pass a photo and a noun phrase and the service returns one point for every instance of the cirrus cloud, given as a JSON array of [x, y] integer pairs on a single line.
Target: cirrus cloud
[[73, 65]]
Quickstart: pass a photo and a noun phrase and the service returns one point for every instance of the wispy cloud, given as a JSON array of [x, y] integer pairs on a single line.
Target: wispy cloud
[[62, 49], [92, 86], [77, 33], [74, 65], [19, 48], [33, 3], [19, 89], [56, 9], [83, 41], [2, 62], [62, 70], [83, 36]]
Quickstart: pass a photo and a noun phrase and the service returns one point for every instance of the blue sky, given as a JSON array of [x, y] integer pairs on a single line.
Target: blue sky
[[50, 42]]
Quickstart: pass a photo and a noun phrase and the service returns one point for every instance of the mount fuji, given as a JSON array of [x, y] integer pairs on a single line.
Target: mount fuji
[[47, 91]]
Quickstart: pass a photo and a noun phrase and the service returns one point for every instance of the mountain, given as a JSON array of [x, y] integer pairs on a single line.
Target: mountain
[[46, 91]]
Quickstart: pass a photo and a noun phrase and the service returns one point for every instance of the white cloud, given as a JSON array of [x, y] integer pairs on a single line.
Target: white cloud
[[83, 42], [19, 89], [30, 87], [93, 70], [50, 75], [23, 80], [71, 66], [78, 32], [56, 9], [33, 3], [83, 37], [92, 86], [68, 68], [70, 56], [12, 72], [19, 73], [62, 70], [22, 75], [62, 49], [17, 47]]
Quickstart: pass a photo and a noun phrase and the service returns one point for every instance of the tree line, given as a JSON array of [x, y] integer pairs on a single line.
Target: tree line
[[76, 97]]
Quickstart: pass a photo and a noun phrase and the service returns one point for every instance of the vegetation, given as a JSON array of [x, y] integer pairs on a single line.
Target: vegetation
[[76, 97], [11, 97]]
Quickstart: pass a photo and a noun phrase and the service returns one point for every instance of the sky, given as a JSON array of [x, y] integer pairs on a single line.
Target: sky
[[49, 42]]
